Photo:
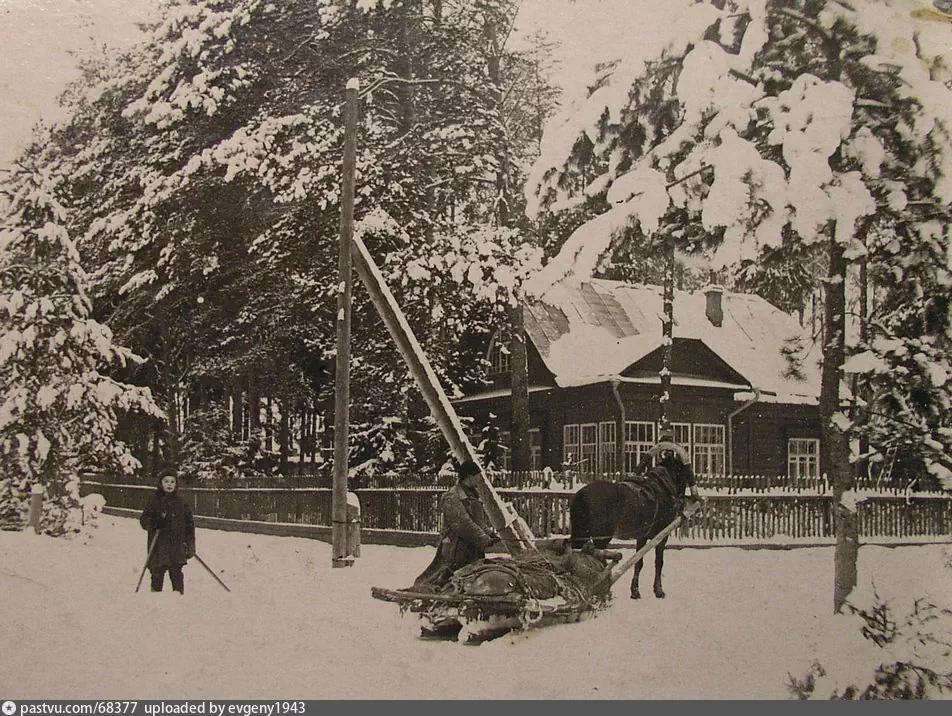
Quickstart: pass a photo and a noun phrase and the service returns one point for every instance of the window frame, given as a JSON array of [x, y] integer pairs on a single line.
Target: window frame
[[684, 436], [588, 450], [570, 457], [503, 451], [535, 448], [798, 458], [607, 447], [498, 355], [636, 450], [709, 458]]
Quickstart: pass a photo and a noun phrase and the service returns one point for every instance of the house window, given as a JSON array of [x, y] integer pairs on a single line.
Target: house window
[[535, 448], [589, 447], [682, 435], [639, 439], [570, 446], [499, 355], [588, 450], [709, 452], [606, 448], [803, 457], [503, 453]]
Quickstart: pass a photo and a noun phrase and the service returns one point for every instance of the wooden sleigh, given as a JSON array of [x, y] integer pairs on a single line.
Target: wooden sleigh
[[473, 619], [475, 615], [496, 595]]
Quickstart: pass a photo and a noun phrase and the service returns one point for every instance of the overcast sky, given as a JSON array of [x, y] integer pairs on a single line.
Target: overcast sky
[[40, 39]]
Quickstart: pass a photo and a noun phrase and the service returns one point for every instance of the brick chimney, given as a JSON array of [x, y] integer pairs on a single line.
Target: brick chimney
[[715, 309]]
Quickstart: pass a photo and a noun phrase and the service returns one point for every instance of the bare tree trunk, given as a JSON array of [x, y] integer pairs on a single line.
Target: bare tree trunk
[[864, 303], [158, 428], [521, 453], [269, 423], [237, 413], [168, 378], [835, 455], [174, 425], [406, 92], [284, 434], [518, 368], [863, 313], [254, 412]]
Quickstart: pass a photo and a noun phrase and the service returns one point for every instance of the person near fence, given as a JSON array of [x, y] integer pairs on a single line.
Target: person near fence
[[171, 534], [466, 532]]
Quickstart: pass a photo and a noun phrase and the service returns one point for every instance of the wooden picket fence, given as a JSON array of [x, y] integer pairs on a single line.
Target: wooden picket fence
[[545, 480], [724, 517]]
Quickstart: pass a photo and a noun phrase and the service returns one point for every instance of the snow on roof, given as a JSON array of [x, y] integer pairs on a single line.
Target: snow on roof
[[591, 330], [498, 393]]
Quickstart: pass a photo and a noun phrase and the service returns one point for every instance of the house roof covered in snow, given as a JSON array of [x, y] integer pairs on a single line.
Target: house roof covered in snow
[[590, 331]]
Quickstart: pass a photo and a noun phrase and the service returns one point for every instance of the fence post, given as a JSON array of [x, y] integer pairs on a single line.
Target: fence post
[[36, 507], [353, 524]]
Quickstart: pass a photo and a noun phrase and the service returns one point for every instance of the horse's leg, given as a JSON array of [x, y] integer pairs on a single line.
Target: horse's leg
[[580, 520], [635, 592], [658, 566]]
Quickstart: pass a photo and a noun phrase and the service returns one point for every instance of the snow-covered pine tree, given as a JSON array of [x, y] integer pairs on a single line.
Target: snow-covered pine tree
[[754, 126], [60, 403], [203, 179]]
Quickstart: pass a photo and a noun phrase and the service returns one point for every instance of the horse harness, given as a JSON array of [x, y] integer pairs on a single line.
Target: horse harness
[[655, 486]]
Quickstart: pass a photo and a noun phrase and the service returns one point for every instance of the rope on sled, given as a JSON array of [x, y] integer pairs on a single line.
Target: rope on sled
[[537, 578]]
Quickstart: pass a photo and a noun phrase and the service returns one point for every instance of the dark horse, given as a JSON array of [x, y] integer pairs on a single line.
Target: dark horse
[[638, 509]]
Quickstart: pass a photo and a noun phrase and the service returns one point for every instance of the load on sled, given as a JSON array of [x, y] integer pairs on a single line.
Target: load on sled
[[494, 595]]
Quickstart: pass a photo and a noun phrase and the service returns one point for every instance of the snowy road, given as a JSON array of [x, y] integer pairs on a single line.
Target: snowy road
[[734, 624]]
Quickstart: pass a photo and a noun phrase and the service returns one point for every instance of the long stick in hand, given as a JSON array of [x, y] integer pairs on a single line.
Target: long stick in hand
[[147, 558], [202, 561]]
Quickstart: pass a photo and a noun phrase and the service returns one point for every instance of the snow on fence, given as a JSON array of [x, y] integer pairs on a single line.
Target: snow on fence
[[570, 480], [546, 480], [724, 517]]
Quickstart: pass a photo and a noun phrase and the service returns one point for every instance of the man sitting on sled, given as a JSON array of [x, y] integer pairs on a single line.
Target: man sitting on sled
[[466, 531]]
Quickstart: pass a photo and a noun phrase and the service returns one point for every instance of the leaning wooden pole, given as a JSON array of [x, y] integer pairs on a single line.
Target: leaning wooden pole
[[339, 556], [513, 530]]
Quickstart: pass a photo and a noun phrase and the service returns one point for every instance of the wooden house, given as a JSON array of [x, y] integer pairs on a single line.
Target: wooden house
[[594, 355]]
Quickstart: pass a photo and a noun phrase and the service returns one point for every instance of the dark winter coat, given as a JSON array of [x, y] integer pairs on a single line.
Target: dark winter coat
[[682, 473], [464, 538], [168, 513]]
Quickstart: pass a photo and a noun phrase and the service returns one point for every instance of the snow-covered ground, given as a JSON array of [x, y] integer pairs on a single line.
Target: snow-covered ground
[[734, 624]]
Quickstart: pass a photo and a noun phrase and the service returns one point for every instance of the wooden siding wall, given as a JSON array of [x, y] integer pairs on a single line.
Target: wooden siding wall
[[760, 432], [690, 357]]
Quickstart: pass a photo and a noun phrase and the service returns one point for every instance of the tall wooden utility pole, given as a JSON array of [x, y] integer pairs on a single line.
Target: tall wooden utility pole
[[339, 556], [667, 334]]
